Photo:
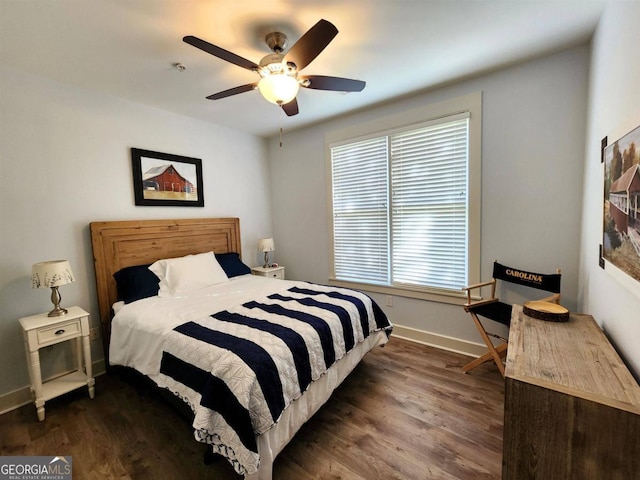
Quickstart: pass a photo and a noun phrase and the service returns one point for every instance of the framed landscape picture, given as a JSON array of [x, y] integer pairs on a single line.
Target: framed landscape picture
[[164, 179], [621, 212]]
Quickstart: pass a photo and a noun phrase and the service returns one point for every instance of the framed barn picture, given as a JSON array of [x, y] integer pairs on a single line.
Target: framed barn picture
[[621, 222], [163, 179]]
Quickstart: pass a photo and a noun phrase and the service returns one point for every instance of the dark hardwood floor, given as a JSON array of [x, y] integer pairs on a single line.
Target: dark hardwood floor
[[406, 412]]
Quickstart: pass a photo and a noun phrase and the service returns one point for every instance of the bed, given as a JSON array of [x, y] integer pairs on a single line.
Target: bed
[[211, 345]]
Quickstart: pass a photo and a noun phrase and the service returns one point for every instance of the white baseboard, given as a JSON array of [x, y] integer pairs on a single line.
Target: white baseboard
[[444, 342], [22, 396]]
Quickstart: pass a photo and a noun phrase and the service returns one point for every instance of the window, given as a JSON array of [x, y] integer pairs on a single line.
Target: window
[[404, 207], [360, 211]]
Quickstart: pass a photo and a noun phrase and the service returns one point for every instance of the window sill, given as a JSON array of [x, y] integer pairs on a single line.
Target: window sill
[[452, 298]]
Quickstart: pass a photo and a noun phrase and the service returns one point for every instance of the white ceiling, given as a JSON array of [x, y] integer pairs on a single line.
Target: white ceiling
[[128, 48]]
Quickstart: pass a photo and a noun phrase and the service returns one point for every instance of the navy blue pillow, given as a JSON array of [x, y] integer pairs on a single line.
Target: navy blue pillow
[[231, 264], [135, 283]]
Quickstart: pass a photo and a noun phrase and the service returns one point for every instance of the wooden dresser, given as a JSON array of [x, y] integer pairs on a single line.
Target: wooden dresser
[[572, 408]]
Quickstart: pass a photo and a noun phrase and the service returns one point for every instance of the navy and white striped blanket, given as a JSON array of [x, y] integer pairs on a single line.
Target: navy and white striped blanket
[[240, 368]]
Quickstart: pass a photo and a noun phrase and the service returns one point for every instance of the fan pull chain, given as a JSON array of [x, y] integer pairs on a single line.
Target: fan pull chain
[[280, 137]]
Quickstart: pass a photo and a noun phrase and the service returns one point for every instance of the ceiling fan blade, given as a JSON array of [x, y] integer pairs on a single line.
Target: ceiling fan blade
[[311, 44], [221, 53], [321, 82], [233, 91], [291, 108]]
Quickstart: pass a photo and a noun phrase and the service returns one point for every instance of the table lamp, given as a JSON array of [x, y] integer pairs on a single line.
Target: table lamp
[[52, 274], [266, 245]]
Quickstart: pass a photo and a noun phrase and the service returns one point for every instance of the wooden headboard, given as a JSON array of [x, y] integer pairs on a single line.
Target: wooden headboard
[[126, 243]]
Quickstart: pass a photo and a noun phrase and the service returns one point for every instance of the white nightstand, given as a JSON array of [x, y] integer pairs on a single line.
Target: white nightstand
[[41, 331], [271, 272]]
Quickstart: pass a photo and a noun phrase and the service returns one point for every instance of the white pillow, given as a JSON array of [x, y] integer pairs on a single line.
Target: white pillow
[[184, 274]]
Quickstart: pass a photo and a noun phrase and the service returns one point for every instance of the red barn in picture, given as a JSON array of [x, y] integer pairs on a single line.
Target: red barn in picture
[[624, 205], [165, 178]]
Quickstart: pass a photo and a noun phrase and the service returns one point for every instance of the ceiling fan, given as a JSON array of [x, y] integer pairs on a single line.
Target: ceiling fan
[[279, 72]]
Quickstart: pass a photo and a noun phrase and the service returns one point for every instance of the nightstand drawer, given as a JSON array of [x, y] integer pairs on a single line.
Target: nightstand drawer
[[59, 332], [270, 272], [279, 274]]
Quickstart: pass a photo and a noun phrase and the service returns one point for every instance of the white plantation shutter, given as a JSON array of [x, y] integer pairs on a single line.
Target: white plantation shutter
[[400, 206], [429, 205], [360, 211]]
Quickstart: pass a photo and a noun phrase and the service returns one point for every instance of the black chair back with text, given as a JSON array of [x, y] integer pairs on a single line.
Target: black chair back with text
[[549, 282]]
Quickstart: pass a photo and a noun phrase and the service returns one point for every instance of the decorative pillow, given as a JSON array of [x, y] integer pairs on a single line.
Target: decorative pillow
[[135, 283], [231, 264], [184, 274]]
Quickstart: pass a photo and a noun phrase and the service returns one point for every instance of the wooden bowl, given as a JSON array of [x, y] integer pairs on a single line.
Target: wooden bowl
[[547, 311]]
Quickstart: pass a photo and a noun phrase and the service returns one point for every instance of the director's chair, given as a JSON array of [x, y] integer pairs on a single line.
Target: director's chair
[[493, 309]]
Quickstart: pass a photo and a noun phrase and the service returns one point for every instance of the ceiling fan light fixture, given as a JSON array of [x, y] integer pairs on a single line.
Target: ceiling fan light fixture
[[279, 82], [278, 88]]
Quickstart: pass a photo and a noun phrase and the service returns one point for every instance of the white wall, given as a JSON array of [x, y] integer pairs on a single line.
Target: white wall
[[614, 109], [532, 167], [65, 162]]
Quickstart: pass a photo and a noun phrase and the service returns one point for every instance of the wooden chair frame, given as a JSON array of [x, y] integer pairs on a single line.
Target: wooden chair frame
[[499, 351]]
